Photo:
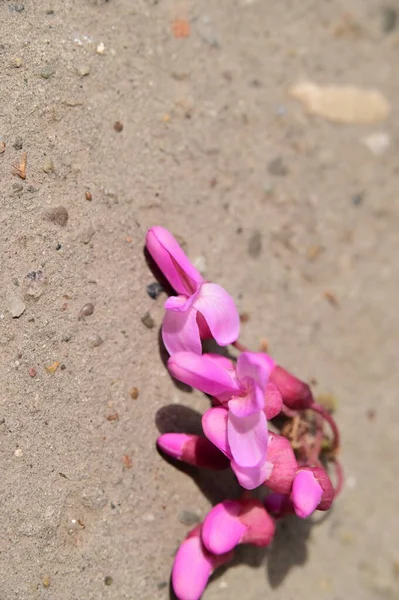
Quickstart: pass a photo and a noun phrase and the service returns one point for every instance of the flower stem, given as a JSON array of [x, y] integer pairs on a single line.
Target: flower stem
[[317, 408], [240, 346]]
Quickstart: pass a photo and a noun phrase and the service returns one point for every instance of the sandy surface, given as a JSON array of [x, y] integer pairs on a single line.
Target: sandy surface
[[84, 495]]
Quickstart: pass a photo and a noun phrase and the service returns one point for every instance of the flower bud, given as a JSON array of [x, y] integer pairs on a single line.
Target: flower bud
[[193, 449], [296, 393]]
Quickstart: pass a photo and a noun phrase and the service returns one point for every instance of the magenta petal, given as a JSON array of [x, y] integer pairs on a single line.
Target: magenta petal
[[173, 443], [180, 332], [222, 530], [220, 313], [252, 402], [214, 425], [202, 373], [172, 261], [191, 569], [254, 366], [247, 437], [306, 494], [251, 477]]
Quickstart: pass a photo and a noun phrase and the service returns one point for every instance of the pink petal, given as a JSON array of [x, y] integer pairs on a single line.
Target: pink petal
[[180, 332], [191, 569], [260, 526], [296, 394], [247, 438], [194, 450], [202, 373], [220, 313], [221, 529], [214, 425], [273, 401], [281, 455], [252, 402], [251, 477], [254, 366], [172, 261], [306, 493]]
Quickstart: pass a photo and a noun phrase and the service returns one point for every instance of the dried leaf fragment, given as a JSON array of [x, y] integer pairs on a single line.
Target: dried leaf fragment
[[20, 169], [52, 368], [342, 104]]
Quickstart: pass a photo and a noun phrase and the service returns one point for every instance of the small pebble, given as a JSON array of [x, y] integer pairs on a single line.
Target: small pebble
[[277, 167], [147, 320], [62, 367], [32, 372], [66, 337], [113, 417], [378, 142], [83, 70], [244, 317], [100, 48], [86, 235], [134, 393], [108, 580], [48, 166], [16, 7], [188, 518], [118, 126], [18, 452], [18, 62], [58, 246], [95, 340], [47, 72], [255, 244], [18, 143], [49, 11], [2, 147], [86, 311], [154, 290], [16, 307], [58, 215], [88, 196], [46, 582]]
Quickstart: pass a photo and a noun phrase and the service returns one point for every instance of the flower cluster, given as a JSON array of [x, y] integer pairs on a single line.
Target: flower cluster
[[246, 393]]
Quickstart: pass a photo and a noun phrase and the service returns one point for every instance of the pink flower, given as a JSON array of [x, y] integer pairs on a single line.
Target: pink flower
[[210, 545], [193, 449], [241, 389], [201, 309]]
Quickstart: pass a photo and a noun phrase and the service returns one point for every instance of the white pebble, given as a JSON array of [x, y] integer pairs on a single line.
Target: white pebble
[[100, 48], [18, 452]]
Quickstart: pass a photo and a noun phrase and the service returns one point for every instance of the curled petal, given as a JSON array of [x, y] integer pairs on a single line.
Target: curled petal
[[203, 373], [180, 332], [214, 425], [172, 261], [247, 437], [222, 529], [251, 477], [220, 313], [255, 366], [191, 569], [252, 402], [306, 493]]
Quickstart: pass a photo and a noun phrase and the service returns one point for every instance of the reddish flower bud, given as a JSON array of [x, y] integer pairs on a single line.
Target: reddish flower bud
[[325, 483], [282, 457], [194, 450], [311, 490], [296, 393]]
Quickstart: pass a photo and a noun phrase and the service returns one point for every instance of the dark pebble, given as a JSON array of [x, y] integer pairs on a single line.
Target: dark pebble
[[148, 321], [58, 215], [18, 143], [108, 580], [389, 19], [188, 518], [154, 290], [118, 126], [49, 11], [86, 311], [62, 367], [357, 198], [277, 167], [255, 244], [58, 246]]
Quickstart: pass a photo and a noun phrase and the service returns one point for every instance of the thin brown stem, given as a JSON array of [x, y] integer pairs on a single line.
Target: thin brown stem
[[240, 346]]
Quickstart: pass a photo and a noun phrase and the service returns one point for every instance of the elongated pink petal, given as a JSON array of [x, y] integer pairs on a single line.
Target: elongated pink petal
[[224, 362], [222, 529], [191, 569], [220, 313], [255, 366], [251, 477], [247, 437], [252, 402], [180, 332], [194, 450], [260, 526], [214, 425], [172, 261], [202, 373], [306, 493], [273, 401]]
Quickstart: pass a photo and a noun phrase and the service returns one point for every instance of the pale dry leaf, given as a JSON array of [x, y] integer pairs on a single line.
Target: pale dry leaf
[[342, 104]]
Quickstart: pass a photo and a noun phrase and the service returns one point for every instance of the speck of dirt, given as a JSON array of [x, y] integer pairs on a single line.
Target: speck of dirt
[[108, 580], [255, 244], [118, 126], [88, 196], [66, 337], [154, 290], [134, 393], [95, 340], [357, 199], [277, 167], [189, 518], [58, 246], [32, 372], [162, 585], [148, 321]]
